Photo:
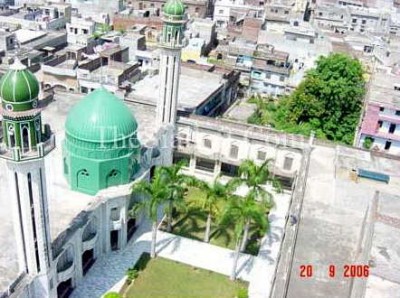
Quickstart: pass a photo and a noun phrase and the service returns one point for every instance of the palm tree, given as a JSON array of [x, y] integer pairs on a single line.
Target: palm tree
[[254, 177], [242, 212], [177, 184], [157, 192], [214, 193]]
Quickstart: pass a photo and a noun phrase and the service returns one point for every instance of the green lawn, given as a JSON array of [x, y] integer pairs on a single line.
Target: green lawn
[[169, 279], [193, 225]]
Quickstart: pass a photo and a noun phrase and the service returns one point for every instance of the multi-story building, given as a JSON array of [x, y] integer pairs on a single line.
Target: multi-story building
[[380, 124], [80, 31], [228, 12]]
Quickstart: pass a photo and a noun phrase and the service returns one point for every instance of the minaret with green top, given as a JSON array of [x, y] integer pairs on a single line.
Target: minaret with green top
[[23, 145], [171, 44]]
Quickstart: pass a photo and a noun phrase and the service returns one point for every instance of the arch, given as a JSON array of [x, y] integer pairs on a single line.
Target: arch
[[113, 178], [25, 138], [83, 179], [90, 229], [66, 259]]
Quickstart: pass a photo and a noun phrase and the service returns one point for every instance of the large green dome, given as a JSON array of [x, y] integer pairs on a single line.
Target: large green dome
[[100, 117], [19, 87], [174, 8]]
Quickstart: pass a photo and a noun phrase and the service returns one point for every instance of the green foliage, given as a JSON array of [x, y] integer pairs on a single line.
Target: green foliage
[[157, 194], [112, 295], [242, 293], [328, 101], [142, 262], [131, 275], [368, 141]]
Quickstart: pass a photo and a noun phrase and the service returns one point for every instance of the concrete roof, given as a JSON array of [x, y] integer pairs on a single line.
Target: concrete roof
[[331, 222], [195, 86], [381, 89]]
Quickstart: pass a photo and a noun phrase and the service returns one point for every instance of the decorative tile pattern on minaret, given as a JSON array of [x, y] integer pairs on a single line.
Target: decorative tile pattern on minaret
[[171, 43]]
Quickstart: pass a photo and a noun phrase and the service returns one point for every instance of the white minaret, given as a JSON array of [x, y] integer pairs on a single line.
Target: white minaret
[[23, 147], [171, 43]]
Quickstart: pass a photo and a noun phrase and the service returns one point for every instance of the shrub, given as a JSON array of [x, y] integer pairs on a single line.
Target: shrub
[[131, 274], [368, 141], [242, 293], [113, 295]]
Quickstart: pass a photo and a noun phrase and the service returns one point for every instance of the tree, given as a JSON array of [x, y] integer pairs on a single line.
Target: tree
[[177, 184], [242, 212], [210, 202], [157, 193], [328, 100], [254, 177]]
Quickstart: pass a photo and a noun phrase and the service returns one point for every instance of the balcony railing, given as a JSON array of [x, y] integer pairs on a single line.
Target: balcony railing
[[24, 154]]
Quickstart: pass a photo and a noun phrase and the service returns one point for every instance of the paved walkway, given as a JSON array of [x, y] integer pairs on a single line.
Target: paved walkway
[[109, 270]]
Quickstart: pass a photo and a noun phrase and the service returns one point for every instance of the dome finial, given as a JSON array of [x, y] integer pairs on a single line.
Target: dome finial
[[17, 65]]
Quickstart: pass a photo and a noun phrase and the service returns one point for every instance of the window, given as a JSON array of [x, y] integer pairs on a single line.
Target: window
[[221, 11], [392, 128], [261, 155], [381, 109], [363, 22], [380, 123], [387, 145], [354, 21], [207, 143], [288, 162], [234, 151], [282, 78], [397, 113], [268, 75], [182, 139]]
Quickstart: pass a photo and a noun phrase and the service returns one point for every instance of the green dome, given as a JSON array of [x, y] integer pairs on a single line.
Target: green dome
[[19, 85], [100, 117], [174, 8]]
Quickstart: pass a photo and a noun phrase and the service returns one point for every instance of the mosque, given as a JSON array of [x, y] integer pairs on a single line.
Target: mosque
[[101, 156]]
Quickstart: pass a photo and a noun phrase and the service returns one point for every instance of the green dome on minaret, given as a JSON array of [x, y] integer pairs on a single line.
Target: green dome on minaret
[[19, 88], [174, 8], [101, 147]]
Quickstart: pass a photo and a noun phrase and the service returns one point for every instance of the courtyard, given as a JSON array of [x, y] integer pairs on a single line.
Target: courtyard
[[192, 224], [165, 278]]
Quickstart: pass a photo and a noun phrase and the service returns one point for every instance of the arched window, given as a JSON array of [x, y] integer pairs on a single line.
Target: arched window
[[234, 151], [25, 138], [207, 143]]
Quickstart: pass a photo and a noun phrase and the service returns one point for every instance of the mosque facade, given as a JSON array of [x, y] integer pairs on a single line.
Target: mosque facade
[[101, 157]]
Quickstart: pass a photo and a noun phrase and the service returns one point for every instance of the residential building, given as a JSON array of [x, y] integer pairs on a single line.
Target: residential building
[[380, 124]]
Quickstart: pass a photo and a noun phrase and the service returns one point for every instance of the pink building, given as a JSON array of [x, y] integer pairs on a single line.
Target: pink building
[[381, 119]]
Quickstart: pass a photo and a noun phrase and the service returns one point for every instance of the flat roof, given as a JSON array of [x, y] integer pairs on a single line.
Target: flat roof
[[195, 86], [381, 89], [332, 218]]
